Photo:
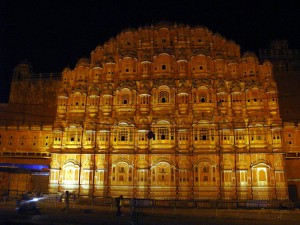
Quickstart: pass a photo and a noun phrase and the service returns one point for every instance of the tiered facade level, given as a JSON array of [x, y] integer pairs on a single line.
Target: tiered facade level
[[166, 112]]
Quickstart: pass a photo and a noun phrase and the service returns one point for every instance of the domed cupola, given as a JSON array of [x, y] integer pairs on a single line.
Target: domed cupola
[[67, 75], [163, 24], [80, 89], [97, 65], [219, 56], [110, 60], [66, 70], [23, 71], [249, 66], [219, 66], [249, 56], [83, 62]]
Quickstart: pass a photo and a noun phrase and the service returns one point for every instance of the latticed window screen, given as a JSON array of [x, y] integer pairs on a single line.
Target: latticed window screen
[[123, 135], [163, 97], [183, 99], [163, 133], [144, 100], [125, 99], [199, 98], [237, 97], [239, 135], [142, 136], [204, 134], [103, 136]]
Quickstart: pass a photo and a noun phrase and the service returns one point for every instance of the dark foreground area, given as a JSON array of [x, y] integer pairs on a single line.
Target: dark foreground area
[[82, 214]]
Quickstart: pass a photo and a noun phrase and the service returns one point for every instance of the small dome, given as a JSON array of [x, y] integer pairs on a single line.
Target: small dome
[[110, 59], [232, 59], [182, 25], [219, 56], [80, 89], [163, 24], [249, 55], [267, 62], [83, 62], [97, 65], [66, 69], [129, 29]]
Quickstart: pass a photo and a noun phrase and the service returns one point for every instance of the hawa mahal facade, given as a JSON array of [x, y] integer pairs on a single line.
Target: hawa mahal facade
[[160, 112]]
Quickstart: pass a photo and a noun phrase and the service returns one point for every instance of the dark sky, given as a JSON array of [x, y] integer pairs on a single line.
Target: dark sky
[[54, 34]]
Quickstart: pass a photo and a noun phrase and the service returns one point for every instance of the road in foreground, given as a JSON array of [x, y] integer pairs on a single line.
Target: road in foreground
[[96, 215]]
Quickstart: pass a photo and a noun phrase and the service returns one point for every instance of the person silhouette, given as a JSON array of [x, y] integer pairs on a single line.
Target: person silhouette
[[67, 202], [119, 204]]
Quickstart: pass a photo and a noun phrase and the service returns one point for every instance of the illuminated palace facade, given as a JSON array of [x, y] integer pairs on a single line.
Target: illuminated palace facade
[[168, 112]]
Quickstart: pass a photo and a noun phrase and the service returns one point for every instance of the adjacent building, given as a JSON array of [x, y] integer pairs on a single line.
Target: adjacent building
[[286, 67]]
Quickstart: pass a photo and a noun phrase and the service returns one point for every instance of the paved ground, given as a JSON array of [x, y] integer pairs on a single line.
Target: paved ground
[[96, 215]]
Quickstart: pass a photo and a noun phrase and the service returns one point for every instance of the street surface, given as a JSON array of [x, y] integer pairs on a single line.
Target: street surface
[[80, 214]]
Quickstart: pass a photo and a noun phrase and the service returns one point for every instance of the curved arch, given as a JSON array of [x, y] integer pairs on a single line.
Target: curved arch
[[161, 160], [71, 162], [162, 121], [122, 160], [260, 163], [203, 160]]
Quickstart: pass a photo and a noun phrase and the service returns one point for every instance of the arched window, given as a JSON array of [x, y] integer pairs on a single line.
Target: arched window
[[125, 98], [123, 135], [163, 173], [203, 134], [163, 133], [70, 173], [122, 173], [260, 175], [204, 173], [163, 97]]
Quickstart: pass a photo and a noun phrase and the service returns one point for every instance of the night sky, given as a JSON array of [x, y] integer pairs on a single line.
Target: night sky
[[51, 35]]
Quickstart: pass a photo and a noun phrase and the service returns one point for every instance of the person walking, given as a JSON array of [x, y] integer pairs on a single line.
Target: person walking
[[67, 202], [119, 204]]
